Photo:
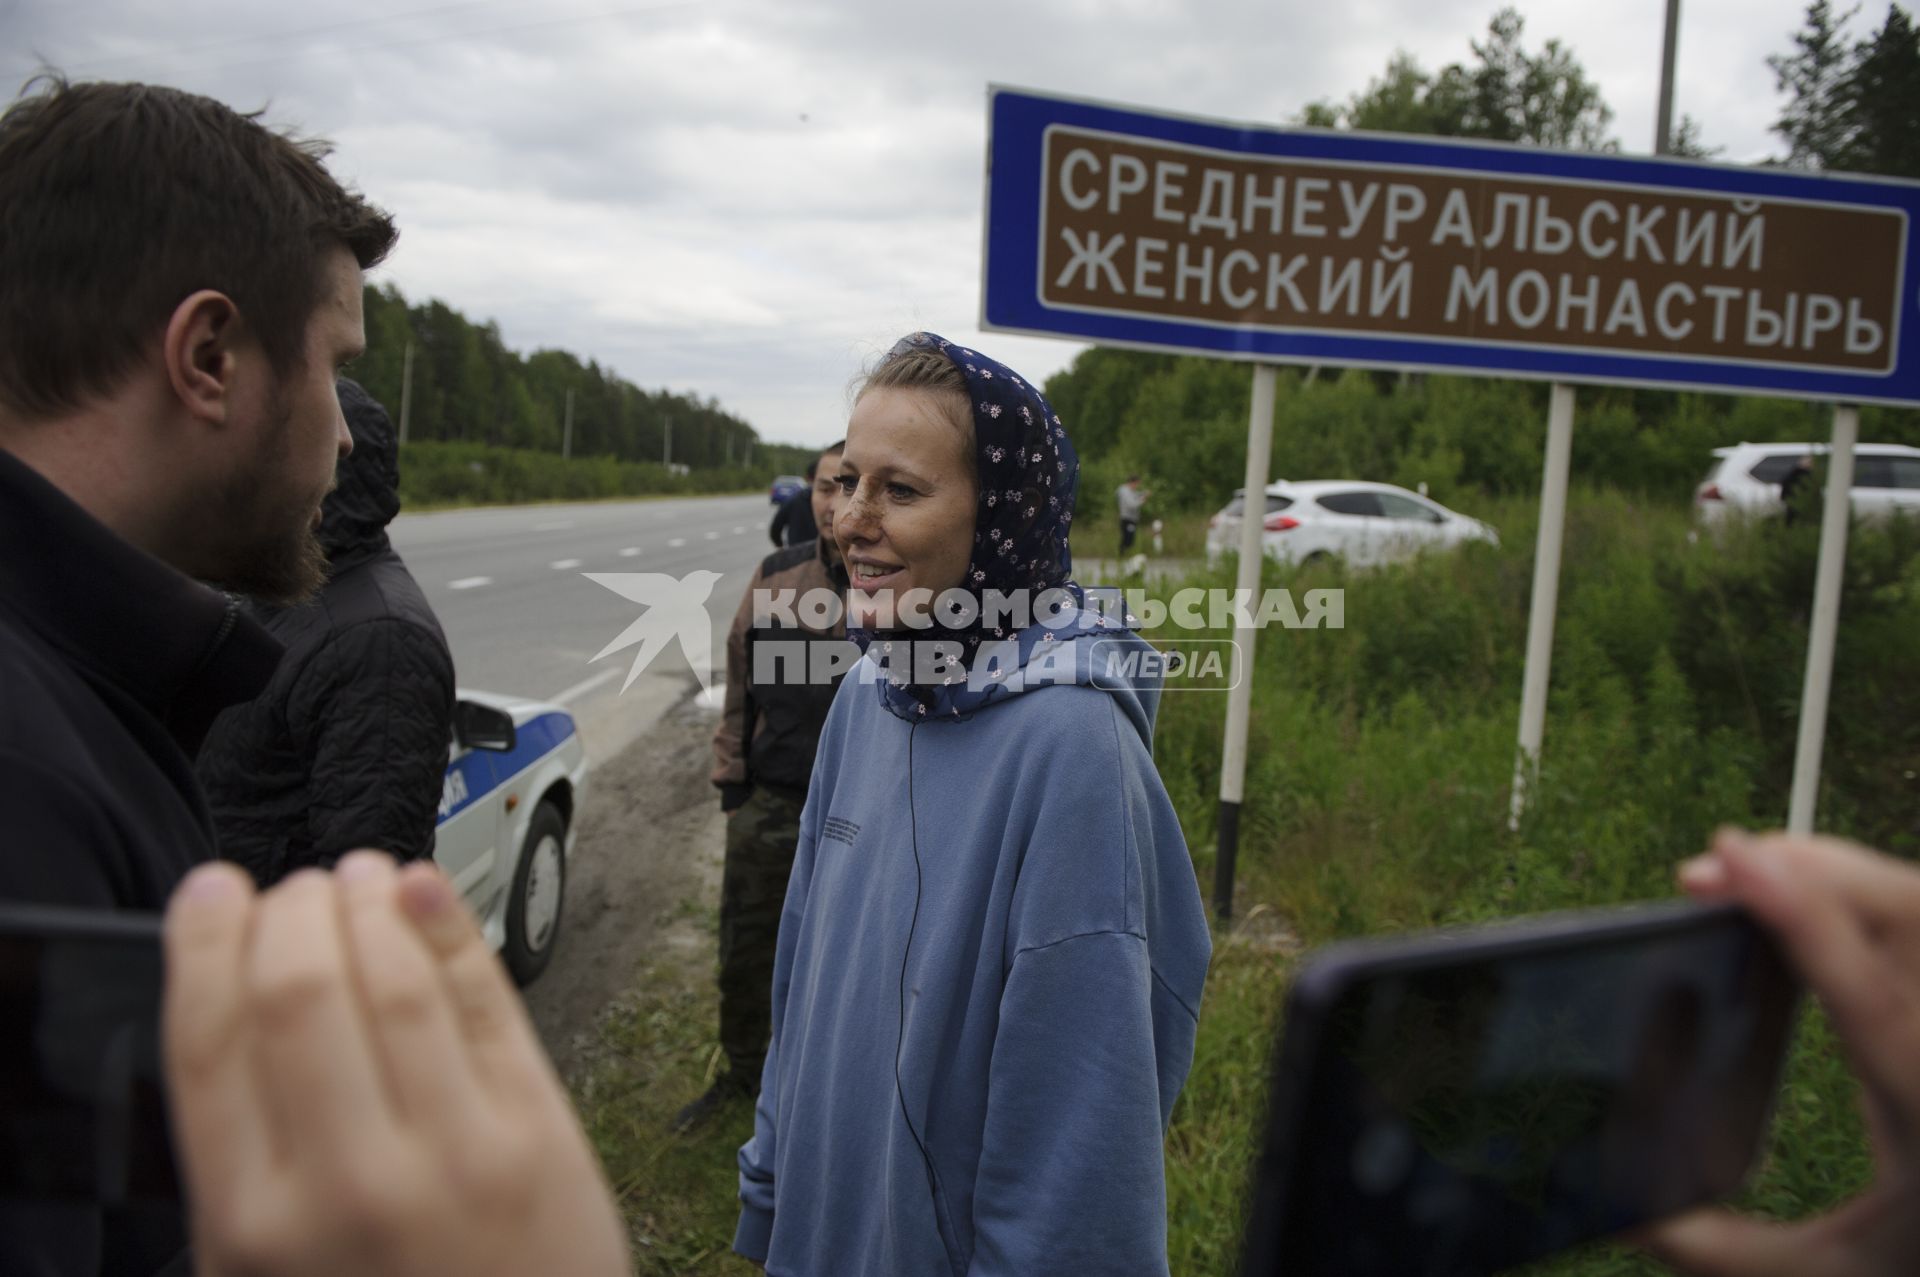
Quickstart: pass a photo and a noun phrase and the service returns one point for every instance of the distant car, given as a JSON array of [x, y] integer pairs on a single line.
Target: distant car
[[1745, 480], [785, 486], [1363, 523], [508, 807]]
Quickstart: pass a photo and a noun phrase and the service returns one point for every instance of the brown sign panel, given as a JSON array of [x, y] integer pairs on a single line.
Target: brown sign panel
[[1133, 226]]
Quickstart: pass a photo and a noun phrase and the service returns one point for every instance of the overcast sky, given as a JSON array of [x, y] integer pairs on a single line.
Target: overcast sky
[[750, 199]]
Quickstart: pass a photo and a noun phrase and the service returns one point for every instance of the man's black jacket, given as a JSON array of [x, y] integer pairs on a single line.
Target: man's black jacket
[[347, 747], [111, 666]]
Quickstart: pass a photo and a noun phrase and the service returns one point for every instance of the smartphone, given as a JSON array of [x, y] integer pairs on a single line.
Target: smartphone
[[82, 1109], [1459, 1102]]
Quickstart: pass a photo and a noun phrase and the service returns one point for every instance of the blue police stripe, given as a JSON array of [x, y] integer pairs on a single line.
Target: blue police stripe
[[482, 771]]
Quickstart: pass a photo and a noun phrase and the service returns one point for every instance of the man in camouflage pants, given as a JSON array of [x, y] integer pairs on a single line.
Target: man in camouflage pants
[[763, 758]]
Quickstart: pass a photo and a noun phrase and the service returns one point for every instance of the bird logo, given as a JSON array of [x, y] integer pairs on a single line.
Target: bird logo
[[676, 609]]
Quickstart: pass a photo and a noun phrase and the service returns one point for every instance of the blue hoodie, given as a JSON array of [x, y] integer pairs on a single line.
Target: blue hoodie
[[987, 980]]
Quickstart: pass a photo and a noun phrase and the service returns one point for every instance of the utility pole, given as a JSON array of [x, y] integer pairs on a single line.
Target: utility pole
[[566, 436], [1663, 141], [406, 392]]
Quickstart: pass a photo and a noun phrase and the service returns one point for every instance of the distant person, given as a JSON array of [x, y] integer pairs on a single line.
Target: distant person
[[763, 759], [347, 747], [793, 523], [1132, 499], [991, 957], [181, 287], [1794, 489]]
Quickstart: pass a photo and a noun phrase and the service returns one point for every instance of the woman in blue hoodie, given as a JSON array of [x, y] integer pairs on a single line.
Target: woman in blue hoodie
[[993, 947]]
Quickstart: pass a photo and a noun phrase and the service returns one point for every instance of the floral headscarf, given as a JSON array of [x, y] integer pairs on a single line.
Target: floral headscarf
[[1028, 471]]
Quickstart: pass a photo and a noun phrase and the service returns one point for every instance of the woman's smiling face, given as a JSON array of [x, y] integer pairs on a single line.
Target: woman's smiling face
[[905, 517]]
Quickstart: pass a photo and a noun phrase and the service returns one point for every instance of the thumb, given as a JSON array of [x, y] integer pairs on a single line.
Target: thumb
[[1719, 1243]]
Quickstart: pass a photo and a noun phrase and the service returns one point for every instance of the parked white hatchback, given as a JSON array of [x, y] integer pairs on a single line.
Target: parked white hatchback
[[1363, 523], [1745, 480], [508, 805]]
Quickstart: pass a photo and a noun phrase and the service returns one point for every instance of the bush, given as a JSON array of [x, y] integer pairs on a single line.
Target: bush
[[452, 474]]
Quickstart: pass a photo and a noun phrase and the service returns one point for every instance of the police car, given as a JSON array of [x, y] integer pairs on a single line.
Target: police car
[[515, 772]]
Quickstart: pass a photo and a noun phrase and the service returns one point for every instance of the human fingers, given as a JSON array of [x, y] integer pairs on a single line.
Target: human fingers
[[1872, 1235], [1719, 1243], [1794, 888], [314, 1061], [1882, 889], [410, 1014], [219, 1122], [493, 1021]]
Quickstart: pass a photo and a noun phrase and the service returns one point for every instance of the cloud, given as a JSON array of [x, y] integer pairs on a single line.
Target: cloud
[[749, 199]]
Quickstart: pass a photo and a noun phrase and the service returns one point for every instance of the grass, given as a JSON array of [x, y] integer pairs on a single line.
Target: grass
[[656, 1052], [1377, 790], [1097, 536]]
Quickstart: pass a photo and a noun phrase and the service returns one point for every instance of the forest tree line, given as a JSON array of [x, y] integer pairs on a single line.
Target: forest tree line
[[469, 387]]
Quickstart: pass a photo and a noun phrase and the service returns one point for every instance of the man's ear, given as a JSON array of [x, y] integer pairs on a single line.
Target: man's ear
[[199, 351]]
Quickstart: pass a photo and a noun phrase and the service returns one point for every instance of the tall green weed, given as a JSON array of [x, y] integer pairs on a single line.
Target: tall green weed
[[1381, 757]]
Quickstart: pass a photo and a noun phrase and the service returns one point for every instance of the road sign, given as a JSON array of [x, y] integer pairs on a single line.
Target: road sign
[[1142, 228]]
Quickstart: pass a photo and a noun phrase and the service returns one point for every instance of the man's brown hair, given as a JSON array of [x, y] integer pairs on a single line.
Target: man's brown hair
[[119, 201]]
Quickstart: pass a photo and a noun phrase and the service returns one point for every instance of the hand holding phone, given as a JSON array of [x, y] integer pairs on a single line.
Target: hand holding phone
[[356, 1088], [1850, 920], [1452, 1104]]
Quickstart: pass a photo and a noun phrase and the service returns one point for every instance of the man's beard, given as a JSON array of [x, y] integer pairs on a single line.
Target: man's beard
[[269, 548]]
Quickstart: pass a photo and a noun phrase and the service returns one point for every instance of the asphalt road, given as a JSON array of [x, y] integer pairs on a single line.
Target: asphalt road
[[508, 587]]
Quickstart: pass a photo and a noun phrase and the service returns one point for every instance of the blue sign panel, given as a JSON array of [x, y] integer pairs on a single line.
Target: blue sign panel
[[1137, 228]]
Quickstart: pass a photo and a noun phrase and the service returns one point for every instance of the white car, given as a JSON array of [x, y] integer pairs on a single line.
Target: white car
[[1364, 523], [515, 773], [1745, 480]]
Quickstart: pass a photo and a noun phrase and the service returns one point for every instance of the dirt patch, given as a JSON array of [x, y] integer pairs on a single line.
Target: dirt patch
[[644, 878]]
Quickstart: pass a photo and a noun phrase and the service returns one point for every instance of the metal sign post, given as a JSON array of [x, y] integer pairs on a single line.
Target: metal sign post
[[1233, 762], [1826, 621], [1546, 597]]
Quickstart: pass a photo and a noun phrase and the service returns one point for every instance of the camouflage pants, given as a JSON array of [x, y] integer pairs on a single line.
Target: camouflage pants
[[761, 836]]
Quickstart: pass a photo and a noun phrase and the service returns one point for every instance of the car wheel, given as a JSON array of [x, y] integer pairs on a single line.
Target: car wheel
[[539, 892]]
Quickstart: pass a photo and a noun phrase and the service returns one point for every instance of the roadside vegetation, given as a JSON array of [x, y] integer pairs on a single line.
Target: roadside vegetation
[[1381, 755], [439, 475]]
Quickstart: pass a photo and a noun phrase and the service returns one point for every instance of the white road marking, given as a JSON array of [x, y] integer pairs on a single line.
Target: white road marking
[[676, 543], [630, 552], [469, 582], [561, 565], [581, 688], [738, 531], [713, 536], [553, 527]]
